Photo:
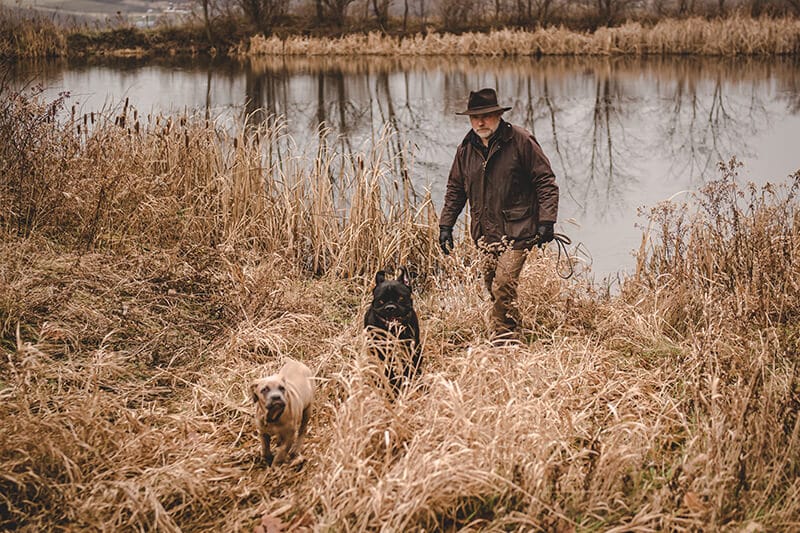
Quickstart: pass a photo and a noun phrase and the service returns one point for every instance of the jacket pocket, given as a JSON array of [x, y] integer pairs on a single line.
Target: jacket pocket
[[519, 222]]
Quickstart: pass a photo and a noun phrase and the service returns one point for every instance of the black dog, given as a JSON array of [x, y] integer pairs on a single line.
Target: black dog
[[391, 316]]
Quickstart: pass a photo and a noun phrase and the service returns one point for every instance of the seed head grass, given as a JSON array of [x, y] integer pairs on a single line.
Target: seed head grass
[[732, 36], [153, 266]]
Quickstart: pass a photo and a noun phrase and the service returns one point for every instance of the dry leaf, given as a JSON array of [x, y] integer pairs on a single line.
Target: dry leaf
[[270, 524], [753, 527], [694, 502]]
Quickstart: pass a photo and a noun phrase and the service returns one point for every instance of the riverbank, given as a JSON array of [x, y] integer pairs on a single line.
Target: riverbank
[[26, 37], [719, 37], [152, 266]]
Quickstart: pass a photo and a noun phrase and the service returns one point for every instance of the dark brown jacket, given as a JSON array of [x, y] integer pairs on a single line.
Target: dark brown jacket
[[509, 191]]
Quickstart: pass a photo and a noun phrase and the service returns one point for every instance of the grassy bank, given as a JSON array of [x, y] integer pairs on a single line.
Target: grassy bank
[[718, 37], [29, 37], [25, 37], [151, 266]]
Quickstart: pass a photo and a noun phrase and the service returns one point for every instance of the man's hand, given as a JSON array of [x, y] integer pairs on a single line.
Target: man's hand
[[446, 239], [544, 231]]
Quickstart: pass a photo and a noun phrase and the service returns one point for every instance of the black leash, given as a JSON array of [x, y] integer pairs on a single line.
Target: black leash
[[562, 241]]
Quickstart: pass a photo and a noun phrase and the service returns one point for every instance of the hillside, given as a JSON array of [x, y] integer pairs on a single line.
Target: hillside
[[130, 9]]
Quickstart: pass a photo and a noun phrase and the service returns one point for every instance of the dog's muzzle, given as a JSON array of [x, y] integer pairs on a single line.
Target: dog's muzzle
[[394, 321], [275, 409]]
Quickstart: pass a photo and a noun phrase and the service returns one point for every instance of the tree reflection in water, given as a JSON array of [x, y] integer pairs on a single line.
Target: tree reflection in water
[[620, 132]]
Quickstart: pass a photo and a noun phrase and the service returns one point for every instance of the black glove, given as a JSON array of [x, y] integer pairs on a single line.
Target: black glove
[[446, 239], [544, 231]]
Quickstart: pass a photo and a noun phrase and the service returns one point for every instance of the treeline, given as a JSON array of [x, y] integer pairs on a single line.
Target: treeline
[[545, 26], [401, 16]]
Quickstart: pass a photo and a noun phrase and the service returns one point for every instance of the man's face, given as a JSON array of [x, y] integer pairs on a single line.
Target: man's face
[[485, 125]]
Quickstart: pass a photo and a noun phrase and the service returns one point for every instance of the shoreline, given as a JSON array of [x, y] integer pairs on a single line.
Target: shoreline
[[733, 36]]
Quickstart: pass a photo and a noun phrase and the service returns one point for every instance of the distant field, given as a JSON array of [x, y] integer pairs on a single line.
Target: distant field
[[89, 7]]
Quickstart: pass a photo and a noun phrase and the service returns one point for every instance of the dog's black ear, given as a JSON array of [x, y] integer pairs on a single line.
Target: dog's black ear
[[404, 278], [380, 277]]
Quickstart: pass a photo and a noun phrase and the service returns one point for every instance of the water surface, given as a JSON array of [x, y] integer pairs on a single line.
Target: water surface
[[621, 133]]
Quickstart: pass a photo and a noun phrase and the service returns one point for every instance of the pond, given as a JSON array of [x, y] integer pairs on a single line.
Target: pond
[[621, 133]]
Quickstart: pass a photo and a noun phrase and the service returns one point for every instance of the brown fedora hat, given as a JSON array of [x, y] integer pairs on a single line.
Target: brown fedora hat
[[482, 102]]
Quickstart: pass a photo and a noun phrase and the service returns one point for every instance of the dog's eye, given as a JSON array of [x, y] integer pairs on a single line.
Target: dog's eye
[[281, 388], [380, 301], [401, 299]]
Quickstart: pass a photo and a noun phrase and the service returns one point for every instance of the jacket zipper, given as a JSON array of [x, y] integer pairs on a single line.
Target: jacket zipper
[[486, 158]]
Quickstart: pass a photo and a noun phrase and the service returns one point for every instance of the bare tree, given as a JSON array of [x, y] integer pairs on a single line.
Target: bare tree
[[422, 13], [659, 8], [757, 7], [498, 8], [544, 10], [685, 7], [337, 10], [456, 14], [263, 13], [521, 12], [539, 11], [611, 11], [207, 19], [381, 10]]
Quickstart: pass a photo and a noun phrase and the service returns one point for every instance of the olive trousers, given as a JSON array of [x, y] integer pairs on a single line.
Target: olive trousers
[[501, 272]]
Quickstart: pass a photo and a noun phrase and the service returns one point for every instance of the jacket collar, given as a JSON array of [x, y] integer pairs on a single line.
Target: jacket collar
[[502, 134]]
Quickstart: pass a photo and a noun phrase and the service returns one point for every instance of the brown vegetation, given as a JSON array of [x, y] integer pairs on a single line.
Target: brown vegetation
[[719, 37], [29, 37], [22, 37], [150, 267]]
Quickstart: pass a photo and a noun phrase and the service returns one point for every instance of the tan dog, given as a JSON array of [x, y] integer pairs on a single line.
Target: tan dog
[[283, 405]]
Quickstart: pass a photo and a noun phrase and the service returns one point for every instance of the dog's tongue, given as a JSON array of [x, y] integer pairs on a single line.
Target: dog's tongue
[[275, 411]]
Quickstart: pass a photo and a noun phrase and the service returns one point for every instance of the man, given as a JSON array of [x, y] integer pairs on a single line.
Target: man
[[501, 171]]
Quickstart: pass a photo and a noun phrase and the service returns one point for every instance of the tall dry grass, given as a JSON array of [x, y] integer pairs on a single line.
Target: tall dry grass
[[726, 260], [124, 179], [176, 262], [736, 35], [28, 34]]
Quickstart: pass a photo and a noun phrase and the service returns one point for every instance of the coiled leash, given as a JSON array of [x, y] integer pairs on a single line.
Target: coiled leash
[[562, 241]]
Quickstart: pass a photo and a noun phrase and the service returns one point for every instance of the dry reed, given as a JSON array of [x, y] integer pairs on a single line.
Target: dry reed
[[28, 34], [175, 262], [736, 35]]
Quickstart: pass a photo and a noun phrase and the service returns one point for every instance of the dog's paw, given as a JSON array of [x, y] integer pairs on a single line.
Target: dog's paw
[[297, 463], [279, 458]]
